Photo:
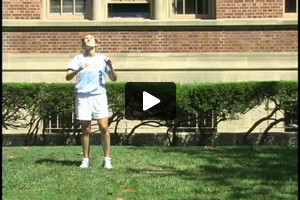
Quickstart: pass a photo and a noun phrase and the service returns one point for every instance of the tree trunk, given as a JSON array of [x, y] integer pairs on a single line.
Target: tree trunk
[[264, 134], [268, 117]]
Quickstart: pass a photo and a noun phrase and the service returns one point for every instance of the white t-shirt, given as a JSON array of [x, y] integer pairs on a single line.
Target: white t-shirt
[[90, 80]]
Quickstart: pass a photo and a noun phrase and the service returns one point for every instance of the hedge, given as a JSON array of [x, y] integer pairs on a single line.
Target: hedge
[[226, 100]]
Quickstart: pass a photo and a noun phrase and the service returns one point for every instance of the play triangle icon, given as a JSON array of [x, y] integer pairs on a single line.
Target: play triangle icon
[[149, 101]]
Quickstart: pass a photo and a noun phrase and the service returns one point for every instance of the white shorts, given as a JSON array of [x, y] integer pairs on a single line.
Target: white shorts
[[90, 107]]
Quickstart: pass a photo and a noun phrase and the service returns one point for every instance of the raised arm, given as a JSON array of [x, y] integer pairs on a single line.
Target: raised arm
[[71, 74], [112, 74]]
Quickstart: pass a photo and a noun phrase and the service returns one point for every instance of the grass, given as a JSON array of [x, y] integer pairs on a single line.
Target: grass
[[154, 173]]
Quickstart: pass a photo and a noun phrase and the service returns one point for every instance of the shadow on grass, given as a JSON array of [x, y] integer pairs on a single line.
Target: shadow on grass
[[242, 171], [58, 162], [159, 170]]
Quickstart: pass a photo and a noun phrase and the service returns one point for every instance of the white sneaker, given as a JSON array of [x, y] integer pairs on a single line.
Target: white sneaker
[[107, 163], [85, 163]]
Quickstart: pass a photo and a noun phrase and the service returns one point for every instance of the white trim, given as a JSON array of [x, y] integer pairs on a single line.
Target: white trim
[[62, 15], [290, 15], [210, 15]]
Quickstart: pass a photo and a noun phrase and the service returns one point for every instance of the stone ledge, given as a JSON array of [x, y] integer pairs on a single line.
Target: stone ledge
[[161, 61], [139, 23], [149, 25], [221, 139]]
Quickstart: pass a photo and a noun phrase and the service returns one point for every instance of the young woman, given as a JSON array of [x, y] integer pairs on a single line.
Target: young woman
[[91, 100]]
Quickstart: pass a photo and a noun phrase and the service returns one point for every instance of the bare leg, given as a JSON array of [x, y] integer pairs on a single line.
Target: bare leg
[[86, 138], [105, 136]]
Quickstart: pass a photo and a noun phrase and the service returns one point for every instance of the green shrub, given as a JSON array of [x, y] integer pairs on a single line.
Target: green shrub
[[226, 100]]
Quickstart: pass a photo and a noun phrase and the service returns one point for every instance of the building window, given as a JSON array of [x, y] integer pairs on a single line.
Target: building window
[[67, 7], [290, 9], [57, 124], [193, 8], [195, 122], [291, 6], [291, 121], [141, 10]]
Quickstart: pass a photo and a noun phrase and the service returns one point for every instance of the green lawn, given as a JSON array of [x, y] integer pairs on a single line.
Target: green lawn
[[154, 173]]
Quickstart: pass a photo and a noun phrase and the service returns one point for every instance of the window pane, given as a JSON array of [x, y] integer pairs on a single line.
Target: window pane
[[206, 121], [179, 6], [291, 121], [202, 7], [209, 120], [80, 6], [290, 6], [67, 6], [190, 7], [55, 6], [129, 10]]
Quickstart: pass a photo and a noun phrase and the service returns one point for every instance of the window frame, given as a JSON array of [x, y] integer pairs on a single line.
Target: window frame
[[209, 15], [291, 122], [68, 16], [290, 14], [194, 123], [128, 2], [54, 123]]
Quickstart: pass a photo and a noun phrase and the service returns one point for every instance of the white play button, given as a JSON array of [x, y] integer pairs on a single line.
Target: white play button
[[149, 100]]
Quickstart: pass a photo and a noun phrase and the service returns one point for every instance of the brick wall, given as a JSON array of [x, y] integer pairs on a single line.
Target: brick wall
[[21, 9], [234, 9], [154, 42], [32, 9]]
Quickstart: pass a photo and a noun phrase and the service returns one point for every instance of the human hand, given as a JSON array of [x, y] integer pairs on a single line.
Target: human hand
[[85, 65], [109, 63]]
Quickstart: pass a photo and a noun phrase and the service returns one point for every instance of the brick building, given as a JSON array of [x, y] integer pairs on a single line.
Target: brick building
[[155, 40]]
